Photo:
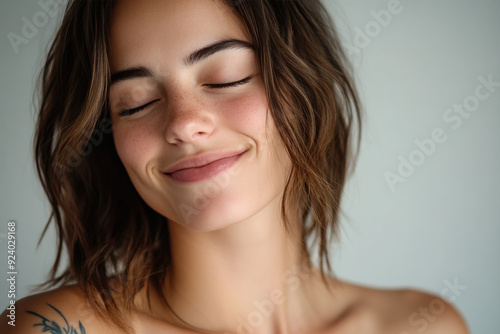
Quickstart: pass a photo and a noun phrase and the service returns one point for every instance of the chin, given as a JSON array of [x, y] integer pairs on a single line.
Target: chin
[[217, 216]]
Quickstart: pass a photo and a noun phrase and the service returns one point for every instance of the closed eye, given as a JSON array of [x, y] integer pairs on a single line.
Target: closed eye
[[230, 84], [128, 112]]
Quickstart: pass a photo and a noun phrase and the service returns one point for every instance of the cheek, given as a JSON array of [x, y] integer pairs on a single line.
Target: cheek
[[134, 144], [247, 114], [138, 141]]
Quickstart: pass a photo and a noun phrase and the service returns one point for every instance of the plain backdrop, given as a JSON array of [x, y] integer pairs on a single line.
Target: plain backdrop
[[416, 63]]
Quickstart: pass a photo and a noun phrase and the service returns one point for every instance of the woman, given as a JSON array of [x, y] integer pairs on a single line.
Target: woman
[[189, 150]]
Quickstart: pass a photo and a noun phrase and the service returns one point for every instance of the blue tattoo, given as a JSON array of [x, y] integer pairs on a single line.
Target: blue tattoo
[[53, 327]]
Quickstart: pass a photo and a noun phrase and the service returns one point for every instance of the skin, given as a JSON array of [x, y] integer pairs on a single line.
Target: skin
[[231, 258], [241, 240]]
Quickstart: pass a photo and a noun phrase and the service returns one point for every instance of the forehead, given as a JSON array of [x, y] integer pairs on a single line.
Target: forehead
[[150, 31]]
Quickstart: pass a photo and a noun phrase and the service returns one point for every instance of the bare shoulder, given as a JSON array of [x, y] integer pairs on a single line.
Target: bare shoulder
[[405, 311], [62, 310]]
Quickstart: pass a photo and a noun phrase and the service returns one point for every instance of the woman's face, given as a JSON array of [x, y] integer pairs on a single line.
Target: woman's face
[[188, 111]]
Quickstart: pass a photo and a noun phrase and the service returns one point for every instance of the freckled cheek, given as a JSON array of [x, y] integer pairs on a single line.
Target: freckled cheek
[[247, 114], [134, 145]]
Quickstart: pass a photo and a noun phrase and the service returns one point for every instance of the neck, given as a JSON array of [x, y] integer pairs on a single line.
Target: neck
[[250, 277]]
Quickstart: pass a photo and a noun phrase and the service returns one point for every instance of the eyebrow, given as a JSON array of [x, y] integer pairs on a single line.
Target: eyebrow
[[193, 58]]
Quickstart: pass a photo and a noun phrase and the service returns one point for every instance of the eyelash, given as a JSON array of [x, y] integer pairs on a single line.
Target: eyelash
[[230, 84], [128, 112]]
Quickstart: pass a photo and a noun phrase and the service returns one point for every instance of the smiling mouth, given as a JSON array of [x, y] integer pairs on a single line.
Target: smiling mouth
[[201, 160], [207, 164], [194, 174]]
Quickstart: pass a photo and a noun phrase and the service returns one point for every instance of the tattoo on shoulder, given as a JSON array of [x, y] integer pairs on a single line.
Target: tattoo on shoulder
[[52, 327]]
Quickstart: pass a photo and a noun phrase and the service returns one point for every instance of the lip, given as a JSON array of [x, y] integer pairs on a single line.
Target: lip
[[203, 166]]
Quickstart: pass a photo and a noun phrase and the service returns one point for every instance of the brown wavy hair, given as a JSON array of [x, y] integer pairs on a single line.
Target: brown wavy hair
[[104, 225]]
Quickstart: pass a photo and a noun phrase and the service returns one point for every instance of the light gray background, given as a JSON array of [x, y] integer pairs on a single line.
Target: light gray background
[[440, 225]]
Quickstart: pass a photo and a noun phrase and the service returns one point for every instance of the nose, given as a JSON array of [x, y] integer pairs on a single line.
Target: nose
[[188, 120]]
